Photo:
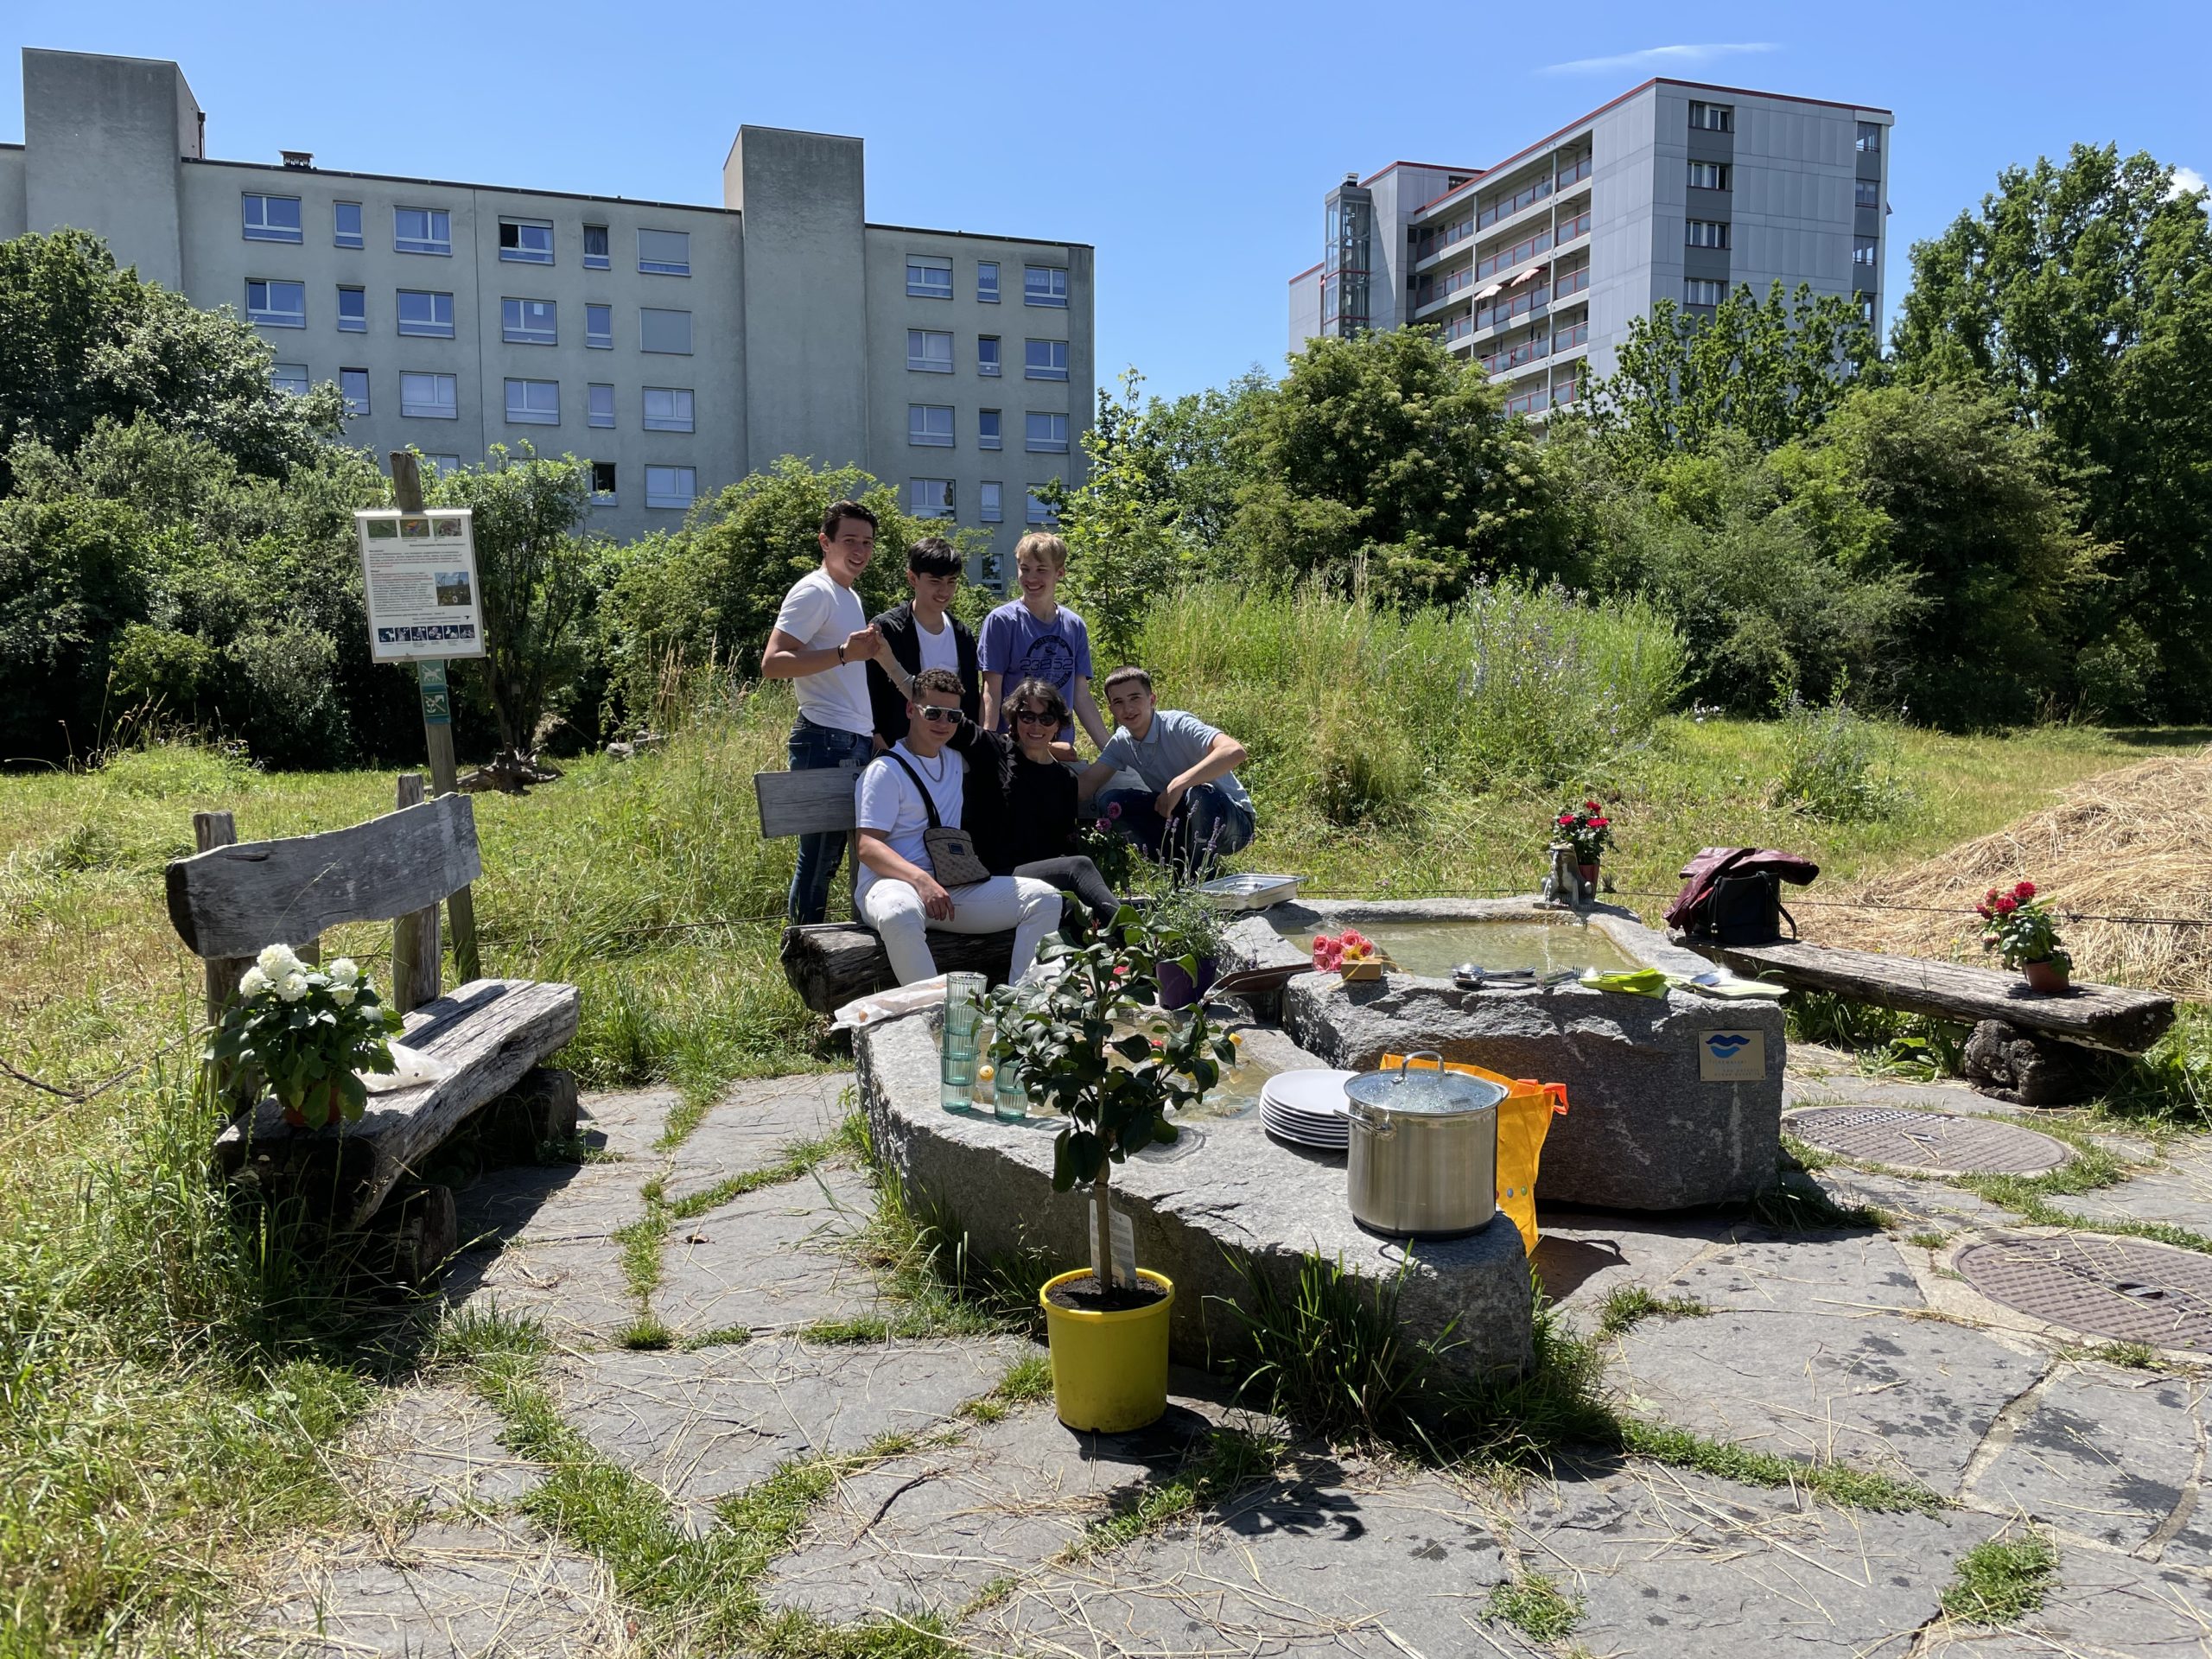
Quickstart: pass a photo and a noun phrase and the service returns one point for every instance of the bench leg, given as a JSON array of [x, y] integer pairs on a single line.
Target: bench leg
[[424, 1231], [2009, 1064], [540, 1110]]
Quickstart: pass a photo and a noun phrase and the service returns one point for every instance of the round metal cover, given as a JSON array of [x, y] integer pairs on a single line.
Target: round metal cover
[[2123, 1288], [1929, 1143]]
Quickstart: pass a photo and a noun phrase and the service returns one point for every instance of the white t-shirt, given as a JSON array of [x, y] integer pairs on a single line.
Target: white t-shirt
[[885, 800], [819, 612], [939, 649]]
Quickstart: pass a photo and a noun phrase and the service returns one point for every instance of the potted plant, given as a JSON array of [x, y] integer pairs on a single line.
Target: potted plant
[[1102, 841], [1589, 832], [1184, 926], [1055, 1046], [2025, 936], [1350, 954], [305, 1032]]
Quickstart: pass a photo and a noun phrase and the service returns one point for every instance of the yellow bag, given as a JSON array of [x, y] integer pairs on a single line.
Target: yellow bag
[[1524, 1118]]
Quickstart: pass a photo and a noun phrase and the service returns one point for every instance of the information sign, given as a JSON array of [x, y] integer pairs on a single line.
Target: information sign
[[419, 572], [1731, 1056]]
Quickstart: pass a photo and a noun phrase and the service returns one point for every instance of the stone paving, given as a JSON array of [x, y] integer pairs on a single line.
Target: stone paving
[[1856, 1344]]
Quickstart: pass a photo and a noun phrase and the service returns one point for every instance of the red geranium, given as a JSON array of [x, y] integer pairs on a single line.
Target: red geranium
[[1586, 830]]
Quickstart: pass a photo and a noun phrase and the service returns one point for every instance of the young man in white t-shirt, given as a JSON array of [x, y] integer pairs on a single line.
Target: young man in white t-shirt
[[822, 641], [899, 895]]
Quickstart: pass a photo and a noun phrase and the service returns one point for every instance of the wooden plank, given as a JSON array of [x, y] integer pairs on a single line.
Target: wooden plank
[[209, 831], [805, 802], [2111, 1017], [415, 952], [229, 901], [832, 963], [490, 1033]]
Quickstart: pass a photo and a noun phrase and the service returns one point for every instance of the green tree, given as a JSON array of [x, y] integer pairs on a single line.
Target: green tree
[[85, 341], [1384, 458], [2081, 295], [1123, 547], [73, 575]]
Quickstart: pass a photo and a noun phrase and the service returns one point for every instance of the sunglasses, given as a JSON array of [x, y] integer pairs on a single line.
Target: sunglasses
[[937, 716], [1036, 717]]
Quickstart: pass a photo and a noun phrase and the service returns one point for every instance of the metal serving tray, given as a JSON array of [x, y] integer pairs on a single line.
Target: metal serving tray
[[1249, 892]]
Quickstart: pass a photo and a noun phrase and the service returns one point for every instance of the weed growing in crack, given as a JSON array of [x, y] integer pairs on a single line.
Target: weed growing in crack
[[1223, 1463], [1804, 1206], [1928, 1241], [645, 1334], [1534, 1606], [2001, 1578], [1627, 1306], [1840, 1483]]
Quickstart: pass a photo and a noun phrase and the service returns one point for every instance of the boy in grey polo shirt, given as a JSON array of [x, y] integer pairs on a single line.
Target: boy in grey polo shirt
[[1192, 809]]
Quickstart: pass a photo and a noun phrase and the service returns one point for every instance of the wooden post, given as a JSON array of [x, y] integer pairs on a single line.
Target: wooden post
[[437, 733], [415, 964], [209, 831]]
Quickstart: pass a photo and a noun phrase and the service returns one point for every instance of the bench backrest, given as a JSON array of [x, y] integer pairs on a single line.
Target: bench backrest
[[806, 802], [229, 901]]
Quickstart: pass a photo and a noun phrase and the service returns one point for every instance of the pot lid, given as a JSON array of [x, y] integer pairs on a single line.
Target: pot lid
[[1434, 1092]]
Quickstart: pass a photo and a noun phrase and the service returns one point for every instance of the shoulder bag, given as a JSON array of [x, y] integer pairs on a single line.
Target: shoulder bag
[[951, 851]]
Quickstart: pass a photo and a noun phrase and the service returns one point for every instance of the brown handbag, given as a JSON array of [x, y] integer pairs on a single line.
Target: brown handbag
[[951, 851]]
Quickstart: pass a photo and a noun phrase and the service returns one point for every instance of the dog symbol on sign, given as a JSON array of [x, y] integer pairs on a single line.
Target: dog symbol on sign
[[1731, 1056]]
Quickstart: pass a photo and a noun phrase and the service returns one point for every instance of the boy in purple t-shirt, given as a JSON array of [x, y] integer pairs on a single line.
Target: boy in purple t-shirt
[[1035, 636]]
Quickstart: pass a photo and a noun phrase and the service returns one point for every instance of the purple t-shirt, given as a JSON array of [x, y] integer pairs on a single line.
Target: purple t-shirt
[[1018, 647]]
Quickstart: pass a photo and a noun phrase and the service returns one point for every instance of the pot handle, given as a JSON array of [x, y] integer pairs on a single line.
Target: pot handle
[[1368, 1119], [1420, 1054]]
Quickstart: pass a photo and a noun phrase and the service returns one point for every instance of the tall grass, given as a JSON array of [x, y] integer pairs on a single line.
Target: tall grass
[[1353, 712]]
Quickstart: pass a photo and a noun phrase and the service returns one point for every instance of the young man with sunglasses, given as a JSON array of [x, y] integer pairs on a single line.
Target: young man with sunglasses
[[898, 894]]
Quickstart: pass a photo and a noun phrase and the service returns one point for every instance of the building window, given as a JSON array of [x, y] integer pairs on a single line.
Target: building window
[[1703, 290], [354, 383], [990, 429], [1866, 309], [1044, 285], [986, 354], [1045, 359], [929, 277], [345, 224], [929, 498], [595, 248], [668, 408], [1709, 175], [665, 330], [988, 501], [421, 230], [602, 481], [432, 396], [598, 405], [272, 219], [533, 402], [528, 322], [1865, 250], [928, 351], [987, 282], [1709, 234], [930, 424], [599, 327], [1866, 193], [1041, 511], [425, 314], [672, 486], [1870, 137], [1713, 118], [526, 241], [664, 253], [353, 310], [276, 305], [1044, 434], [443, 466], [290, 377]]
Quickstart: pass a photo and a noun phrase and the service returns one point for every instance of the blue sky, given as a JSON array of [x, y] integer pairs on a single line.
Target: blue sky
[[1190, 143]]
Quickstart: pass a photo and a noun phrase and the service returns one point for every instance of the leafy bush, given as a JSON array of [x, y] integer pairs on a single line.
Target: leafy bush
[[1837, 765]]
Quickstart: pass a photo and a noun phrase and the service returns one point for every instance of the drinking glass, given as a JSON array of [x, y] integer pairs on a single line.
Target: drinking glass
[[963, 1012]]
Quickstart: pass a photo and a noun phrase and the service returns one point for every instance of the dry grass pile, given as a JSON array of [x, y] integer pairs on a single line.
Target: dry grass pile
[[2133, 842]]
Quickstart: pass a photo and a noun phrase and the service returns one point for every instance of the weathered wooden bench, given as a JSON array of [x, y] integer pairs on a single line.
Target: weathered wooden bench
[[829, 963], [2026, 1046], [230, 899]]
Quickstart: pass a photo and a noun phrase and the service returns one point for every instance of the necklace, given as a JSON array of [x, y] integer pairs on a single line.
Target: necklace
[[936, 777]]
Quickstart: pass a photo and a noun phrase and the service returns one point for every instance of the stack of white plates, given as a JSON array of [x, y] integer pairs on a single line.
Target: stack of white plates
[[1307, 1107]]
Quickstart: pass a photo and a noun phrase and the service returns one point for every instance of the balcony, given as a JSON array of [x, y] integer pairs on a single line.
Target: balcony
[[1571, 338], [1434, 243], [1527, 196], [1531, 350], [1429, 294], [1456, 328], [1540, 400], [1571, 282], [1507, 307]]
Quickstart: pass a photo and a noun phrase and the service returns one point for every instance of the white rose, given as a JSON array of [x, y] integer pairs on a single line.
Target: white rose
[[342, 995], [292, 987], [277, 961], [253, 983], [344, 971]]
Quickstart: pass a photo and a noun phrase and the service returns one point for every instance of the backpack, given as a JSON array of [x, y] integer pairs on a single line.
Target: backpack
[[1732, 895]]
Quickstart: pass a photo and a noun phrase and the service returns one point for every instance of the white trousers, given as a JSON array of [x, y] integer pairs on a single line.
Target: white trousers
[[894, 910]]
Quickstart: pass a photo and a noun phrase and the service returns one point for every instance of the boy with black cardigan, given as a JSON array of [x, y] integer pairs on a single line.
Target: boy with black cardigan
[[922, 633]]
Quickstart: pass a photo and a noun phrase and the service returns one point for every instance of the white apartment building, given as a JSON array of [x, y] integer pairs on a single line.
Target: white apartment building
[[672, 348], [1535, 266]]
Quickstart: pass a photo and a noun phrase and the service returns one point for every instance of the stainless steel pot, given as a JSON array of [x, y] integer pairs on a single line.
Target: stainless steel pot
[[1423, 1160]]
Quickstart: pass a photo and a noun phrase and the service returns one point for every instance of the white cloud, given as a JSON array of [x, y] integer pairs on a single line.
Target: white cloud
[[2187, 179], [1661, 56]]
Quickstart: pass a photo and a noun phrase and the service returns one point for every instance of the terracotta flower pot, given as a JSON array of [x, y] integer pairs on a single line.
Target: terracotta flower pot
[[2044, 975], [295, 1117], [1589, 872]]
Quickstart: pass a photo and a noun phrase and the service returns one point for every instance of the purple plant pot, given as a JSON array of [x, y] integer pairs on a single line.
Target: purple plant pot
[[1176, 990]]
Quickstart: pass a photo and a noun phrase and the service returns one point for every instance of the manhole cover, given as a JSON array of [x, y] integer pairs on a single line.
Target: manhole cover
[[1929, 1143], [2116, 1288]]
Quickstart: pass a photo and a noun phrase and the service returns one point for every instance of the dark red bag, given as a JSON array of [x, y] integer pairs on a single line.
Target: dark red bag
[[1734, 894]]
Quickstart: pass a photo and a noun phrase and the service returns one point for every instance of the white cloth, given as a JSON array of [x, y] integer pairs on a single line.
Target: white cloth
[[939, 649], [894, 910], [884, 800], [820, 612]]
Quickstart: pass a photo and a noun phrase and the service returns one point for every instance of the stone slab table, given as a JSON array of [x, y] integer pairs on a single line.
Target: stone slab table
[[1224, 1187]]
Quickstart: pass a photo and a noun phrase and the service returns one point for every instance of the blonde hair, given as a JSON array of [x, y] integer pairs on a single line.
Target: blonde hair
[[1044, 545]]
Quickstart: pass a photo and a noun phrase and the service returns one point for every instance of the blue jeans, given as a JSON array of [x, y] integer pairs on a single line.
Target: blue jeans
[[1207, 825], [813, 749]]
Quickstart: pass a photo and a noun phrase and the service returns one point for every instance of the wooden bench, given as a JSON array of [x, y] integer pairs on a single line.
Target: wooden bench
[[2026, 1046], [230, 899], [829, 963]]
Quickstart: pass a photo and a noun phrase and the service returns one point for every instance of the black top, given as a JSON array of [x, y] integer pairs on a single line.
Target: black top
[[886, 703], [1019, 810]]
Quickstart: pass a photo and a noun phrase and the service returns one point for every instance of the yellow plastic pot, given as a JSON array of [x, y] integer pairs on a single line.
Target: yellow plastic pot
[[1110, 1369]]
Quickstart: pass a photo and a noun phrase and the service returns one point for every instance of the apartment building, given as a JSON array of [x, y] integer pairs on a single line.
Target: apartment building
[[1533, 267], [672, 348]]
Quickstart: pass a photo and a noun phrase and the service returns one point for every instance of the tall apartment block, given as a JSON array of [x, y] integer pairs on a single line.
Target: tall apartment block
[[1534, 267], [672, 348]]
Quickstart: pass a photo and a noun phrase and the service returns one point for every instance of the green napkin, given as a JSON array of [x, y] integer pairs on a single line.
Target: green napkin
[[1637, 982]]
